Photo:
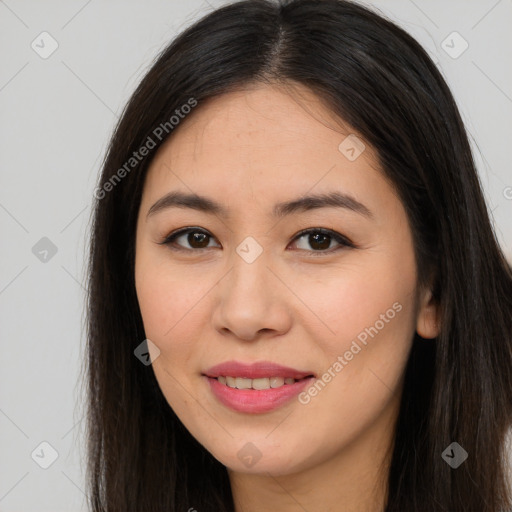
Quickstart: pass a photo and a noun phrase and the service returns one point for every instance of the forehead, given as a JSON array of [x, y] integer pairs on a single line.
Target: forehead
[[264, 142], [262, 118]]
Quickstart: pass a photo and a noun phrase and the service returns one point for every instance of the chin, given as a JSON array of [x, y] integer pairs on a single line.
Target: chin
[[250, 459]]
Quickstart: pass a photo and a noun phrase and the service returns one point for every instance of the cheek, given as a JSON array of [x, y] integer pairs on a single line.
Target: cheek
[[363, 362], [368, 314], [342, 302], [168, 300], [371, 310], [167, 308], [174, 308]]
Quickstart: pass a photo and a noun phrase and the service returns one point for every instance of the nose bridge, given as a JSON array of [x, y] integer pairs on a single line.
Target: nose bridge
[[249, 270]]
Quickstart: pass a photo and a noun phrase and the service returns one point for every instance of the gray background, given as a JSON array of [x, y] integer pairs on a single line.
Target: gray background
[[57, 114]]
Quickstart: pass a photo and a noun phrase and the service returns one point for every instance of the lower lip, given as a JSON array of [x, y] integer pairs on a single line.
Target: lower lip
[[256, 400]]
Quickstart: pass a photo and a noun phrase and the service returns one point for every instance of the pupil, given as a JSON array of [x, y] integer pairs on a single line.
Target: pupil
[[197, 237], [315, 237]]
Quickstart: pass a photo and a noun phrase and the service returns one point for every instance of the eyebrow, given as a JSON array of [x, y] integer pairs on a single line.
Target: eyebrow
[[204, 204]]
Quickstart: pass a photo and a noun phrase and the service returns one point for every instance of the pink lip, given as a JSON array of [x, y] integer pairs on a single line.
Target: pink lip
[[253, 400], [255, 370]]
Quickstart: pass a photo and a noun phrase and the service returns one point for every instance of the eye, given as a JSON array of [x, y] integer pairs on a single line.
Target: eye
[[318, 238], [195, 237], [321, 238]]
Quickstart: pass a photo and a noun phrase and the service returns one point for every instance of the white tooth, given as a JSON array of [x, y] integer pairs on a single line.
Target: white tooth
[[276, 382], [259, 384], [231, 382], [263, 383], [242, 383]]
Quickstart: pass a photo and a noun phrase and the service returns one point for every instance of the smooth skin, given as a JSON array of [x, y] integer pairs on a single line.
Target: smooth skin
[[300, 303]]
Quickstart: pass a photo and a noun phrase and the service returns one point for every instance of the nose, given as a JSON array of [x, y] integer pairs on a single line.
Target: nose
[[251, 301]]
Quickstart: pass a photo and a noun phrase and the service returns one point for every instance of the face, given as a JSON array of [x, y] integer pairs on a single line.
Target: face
[[244, 284]]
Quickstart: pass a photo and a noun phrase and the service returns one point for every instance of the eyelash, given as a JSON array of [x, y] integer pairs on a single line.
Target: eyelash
[[342, 240]]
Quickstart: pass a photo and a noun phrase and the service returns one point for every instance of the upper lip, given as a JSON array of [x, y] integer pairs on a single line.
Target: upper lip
[[258, 370]]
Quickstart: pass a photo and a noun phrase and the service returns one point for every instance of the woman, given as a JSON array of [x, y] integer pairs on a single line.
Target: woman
[[297, 300]]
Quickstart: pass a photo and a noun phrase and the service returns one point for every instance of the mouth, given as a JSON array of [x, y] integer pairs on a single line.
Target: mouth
[[256, 388]]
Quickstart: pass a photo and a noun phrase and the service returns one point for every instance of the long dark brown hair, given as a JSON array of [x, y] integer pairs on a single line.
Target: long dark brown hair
[[374, 76]]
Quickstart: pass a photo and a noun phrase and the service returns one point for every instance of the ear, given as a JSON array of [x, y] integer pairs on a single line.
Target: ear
[[428, 323]]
